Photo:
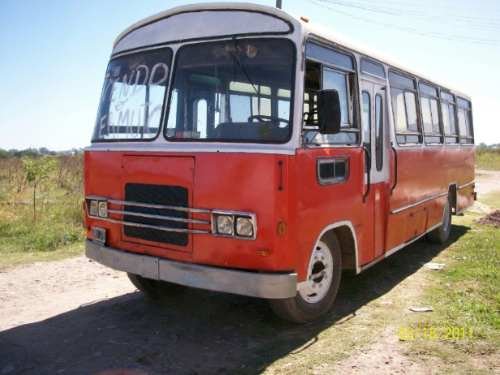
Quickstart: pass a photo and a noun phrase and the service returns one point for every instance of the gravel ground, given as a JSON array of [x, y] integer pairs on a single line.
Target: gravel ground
[[487, 181]]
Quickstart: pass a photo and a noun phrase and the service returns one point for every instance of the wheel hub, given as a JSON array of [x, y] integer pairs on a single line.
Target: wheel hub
[[319, 276]]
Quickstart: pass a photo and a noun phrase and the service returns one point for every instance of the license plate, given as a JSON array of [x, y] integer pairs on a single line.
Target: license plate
[[99, 235]]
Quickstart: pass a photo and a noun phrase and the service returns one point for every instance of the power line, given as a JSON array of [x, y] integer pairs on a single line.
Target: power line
[[399, 10], [437, 35]]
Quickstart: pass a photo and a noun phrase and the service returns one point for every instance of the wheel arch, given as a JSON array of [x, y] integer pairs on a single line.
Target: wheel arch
[[346, 235]]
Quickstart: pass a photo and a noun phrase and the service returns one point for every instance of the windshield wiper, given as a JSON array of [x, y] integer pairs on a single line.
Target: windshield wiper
[[238, 61]]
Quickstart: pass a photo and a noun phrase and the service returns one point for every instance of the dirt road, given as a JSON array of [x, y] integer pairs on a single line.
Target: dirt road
[[77, 317], [487, 181]]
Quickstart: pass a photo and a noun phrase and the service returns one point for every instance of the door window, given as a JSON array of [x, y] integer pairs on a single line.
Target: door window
[[337, 80], [330, 69], [366, 118], [379, 131]]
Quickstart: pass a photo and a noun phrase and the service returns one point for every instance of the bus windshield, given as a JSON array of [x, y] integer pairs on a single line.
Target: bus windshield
[[133, 95], [232, 91]]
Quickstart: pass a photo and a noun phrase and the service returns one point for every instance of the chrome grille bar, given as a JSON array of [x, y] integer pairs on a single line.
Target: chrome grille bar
[[160, 217], [157, 227], [157, 206]]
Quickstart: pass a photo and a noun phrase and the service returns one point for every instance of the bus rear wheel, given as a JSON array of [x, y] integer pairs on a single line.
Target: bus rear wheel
[[441, 234], [316, 295], [153, 289]]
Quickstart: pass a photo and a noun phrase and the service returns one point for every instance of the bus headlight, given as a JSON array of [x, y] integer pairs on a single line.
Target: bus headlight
[[94, 208], [234, 224], [98, 208], [103, 209], [225, 225], [244, 226]]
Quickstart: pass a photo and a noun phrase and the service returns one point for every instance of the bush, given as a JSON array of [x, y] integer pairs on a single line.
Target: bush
[[58, 222], [488, 158]]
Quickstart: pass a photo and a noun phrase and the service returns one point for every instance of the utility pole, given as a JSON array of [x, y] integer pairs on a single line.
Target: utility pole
[[278, 4]]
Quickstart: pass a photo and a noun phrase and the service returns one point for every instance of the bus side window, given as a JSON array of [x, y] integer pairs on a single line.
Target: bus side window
[[448, 114], [430, 113], [284, 103], [240, 107], [404, 105], [470, 127], [464, 116], [329, 68], [312, 85], [172, 118], [200, 117]]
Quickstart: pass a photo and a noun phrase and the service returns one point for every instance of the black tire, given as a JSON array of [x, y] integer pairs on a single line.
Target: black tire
[[297, 309], [154, 289], [441, 234]]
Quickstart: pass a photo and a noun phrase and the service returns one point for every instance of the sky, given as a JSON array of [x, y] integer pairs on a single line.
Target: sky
[[54, 55]]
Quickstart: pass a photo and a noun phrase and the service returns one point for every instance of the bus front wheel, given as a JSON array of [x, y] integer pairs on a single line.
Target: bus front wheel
[[316, 295]]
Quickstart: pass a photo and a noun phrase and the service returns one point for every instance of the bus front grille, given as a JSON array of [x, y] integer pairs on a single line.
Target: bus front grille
[[149, 211]]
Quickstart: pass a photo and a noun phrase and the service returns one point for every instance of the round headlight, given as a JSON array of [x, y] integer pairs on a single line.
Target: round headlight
[[244, 227], [225, 225]]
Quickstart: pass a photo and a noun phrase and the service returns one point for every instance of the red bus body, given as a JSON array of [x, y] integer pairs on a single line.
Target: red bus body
[[281, 186]]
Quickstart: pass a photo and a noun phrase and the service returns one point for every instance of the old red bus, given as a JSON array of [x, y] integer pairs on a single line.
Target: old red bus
[[241, 150]]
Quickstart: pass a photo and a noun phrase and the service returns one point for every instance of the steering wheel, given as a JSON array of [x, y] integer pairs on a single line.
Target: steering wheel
[[265, 118]]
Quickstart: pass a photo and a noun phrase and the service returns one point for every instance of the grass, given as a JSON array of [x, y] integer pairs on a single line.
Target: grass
[[59, 225], [53, 228], [465, 297], [12, 259], [492, 199], [488, 159], [465, 294]]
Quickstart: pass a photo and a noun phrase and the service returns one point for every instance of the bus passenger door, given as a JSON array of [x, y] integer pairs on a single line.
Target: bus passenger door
[[373, 117]]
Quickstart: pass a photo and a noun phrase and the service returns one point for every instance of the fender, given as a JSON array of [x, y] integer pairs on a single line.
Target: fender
[[334, 225]]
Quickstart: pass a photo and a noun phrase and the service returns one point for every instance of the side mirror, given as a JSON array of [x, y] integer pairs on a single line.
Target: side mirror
[[329, 116]]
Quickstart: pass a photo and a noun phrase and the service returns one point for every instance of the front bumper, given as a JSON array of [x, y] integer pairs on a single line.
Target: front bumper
[[247, 283]]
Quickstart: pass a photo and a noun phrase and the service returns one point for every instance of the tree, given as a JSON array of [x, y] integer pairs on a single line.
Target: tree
[[37, 170], [482, 146]]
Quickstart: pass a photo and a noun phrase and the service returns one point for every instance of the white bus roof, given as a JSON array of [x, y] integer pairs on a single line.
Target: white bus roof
[[210, 6], [306, 28], [358, 47]]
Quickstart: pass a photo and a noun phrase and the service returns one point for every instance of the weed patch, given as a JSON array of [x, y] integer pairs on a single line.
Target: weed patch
[[40, 204], [488, 159]]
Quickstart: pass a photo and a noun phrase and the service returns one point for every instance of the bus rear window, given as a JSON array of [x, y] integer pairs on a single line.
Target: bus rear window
[[132, 98]]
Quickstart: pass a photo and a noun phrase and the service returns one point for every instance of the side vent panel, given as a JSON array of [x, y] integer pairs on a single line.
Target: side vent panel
[[332, 170]]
